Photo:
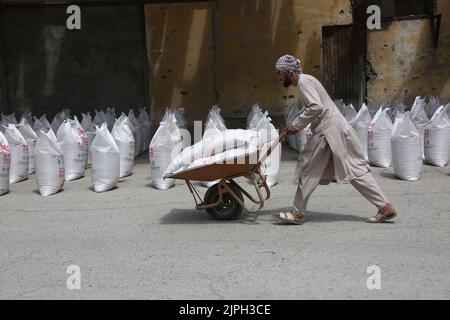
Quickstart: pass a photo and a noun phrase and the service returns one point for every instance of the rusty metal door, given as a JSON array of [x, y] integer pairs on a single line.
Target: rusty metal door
[[344, 61]]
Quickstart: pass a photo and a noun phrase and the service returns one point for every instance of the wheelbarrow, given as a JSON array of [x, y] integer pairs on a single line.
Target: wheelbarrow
[[225, 199]]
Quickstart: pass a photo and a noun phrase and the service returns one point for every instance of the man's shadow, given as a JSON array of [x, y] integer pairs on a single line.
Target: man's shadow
[[190, 216]]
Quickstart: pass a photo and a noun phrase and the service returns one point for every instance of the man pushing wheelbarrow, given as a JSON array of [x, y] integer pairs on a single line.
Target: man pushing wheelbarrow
[[334, 149]]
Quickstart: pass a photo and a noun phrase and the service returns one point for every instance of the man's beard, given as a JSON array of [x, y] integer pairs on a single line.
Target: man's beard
[[286, 82]]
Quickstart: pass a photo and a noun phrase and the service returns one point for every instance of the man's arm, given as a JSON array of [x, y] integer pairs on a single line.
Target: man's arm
[[313, 106]]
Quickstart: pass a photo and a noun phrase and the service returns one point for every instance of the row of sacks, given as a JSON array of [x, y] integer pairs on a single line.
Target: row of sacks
[[406, 143], [55, 158], [140, 125], [170, 151]]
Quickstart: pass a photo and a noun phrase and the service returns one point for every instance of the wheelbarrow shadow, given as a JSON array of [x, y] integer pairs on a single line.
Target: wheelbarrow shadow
[[190, 216]]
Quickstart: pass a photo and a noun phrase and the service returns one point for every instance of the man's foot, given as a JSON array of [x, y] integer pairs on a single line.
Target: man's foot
[[384, 214], [291, 217]]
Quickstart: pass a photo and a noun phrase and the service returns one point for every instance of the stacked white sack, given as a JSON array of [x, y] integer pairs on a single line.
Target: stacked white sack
[[137, 132], [379, 140], [361, 126], [105, 160], [18, 148], [74, 149], [31, 138], [406, 148], [5, 163], [215, 145], [49, 164], [124, 139], [436, 139], [166, 144], [146, 124], [214, 125], [89, 127]]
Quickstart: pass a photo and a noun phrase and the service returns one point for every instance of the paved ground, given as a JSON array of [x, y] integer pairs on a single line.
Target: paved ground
[[137, 242]]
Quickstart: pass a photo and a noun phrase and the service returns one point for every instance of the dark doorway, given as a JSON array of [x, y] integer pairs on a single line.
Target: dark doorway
[[344, 61]]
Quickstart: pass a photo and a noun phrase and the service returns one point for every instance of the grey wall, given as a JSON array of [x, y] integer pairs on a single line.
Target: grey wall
[[49, 67]]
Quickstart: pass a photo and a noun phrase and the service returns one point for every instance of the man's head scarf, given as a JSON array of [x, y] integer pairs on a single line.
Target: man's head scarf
[[289, 64]]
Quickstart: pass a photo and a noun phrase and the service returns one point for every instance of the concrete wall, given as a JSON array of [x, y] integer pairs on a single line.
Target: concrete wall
[[49, 67], [180, 55], [405, 61], [248, 36]]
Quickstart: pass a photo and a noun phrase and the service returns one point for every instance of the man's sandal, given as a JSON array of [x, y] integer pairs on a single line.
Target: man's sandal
[[384, 214], [291, 218]]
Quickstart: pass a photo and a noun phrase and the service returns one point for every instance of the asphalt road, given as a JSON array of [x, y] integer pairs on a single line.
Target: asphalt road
[[137, 242]]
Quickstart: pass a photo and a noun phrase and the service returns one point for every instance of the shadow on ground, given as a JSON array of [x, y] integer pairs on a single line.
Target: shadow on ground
[[186, 216]]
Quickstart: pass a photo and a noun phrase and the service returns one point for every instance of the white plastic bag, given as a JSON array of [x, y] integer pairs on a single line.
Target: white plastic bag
[[431, 104], [436, 139], [11, 118], [38, 126], [49, 164], [18, 148], [89, 127], [5, 163], [379, 140], [137, 132], [45, 122], [28, 118], [105, 160], [124, 139], [146, 124], [361, 126], [406, 148], [31, 138], [74, 149], [99, 118], [165, 145]]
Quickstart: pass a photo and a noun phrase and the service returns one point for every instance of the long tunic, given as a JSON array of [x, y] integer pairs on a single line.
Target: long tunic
[[328, 125]]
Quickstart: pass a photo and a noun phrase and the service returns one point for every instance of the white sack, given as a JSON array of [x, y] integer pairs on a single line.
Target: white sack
[[31, 138], [348, 112], [105, 160], [146, 124], [38, 126], [89, 127], [49, 164], [137, 132], [406, 148], [45, 122], [5, 163], [254, 116], [361, 126], [436, 139], [420, 120], [166, 144], [379, 140], [18, 148], [124, 139], [74, 149], [214, 125]]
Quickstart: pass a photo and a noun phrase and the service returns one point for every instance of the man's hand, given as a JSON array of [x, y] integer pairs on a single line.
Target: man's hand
[[290, 129]]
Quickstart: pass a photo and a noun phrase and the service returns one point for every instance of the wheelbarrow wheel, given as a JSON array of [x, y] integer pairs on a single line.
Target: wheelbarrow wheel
[[229, 208]]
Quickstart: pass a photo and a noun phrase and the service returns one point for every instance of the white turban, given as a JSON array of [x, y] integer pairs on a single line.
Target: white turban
[[289, 64]]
